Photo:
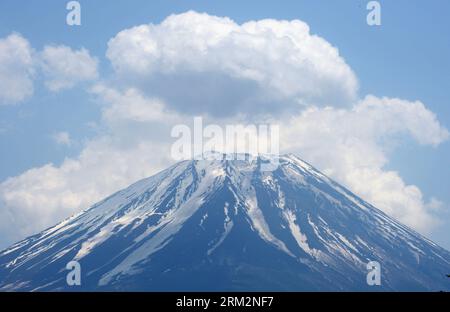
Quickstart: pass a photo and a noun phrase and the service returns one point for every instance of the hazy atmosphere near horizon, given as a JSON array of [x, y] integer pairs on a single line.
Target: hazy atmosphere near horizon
[[96, 95]]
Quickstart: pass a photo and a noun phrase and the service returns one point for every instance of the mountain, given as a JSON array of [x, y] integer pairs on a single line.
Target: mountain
[[228, 225]]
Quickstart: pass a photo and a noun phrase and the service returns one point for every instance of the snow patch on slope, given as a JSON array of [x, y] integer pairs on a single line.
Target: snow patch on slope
[[228, 225], [259, 223]]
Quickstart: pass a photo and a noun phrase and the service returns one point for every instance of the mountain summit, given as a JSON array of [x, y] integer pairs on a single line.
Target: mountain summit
[[228, 225]]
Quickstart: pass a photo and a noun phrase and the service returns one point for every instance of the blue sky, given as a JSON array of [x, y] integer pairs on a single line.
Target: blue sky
[[406, 57]]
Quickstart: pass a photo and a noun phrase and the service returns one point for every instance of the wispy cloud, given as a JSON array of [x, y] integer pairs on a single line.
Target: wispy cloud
[[62, 138], [16, 69]]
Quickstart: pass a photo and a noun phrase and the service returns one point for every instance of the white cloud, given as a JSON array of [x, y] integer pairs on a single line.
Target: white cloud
[[117, 157], [202, 63], [62, 138], [63, 67], [42, 196], [353, 146], [16, 69], [129, 105]]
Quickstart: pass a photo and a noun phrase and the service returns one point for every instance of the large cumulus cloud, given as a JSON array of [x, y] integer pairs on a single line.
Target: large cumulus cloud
[[206, 64]]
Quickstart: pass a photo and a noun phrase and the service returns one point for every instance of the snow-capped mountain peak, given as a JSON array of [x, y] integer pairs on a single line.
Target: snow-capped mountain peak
[[227, 224]]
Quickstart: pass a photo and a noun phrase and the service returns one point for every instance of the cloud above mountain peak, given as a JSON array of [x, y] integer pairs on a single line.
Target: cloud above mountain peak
[[265, 66]]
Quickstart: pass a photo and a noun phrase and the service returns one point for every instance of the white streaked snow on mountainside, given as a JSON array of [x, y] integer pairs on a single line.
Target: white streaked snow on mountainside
[[295, 211]]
